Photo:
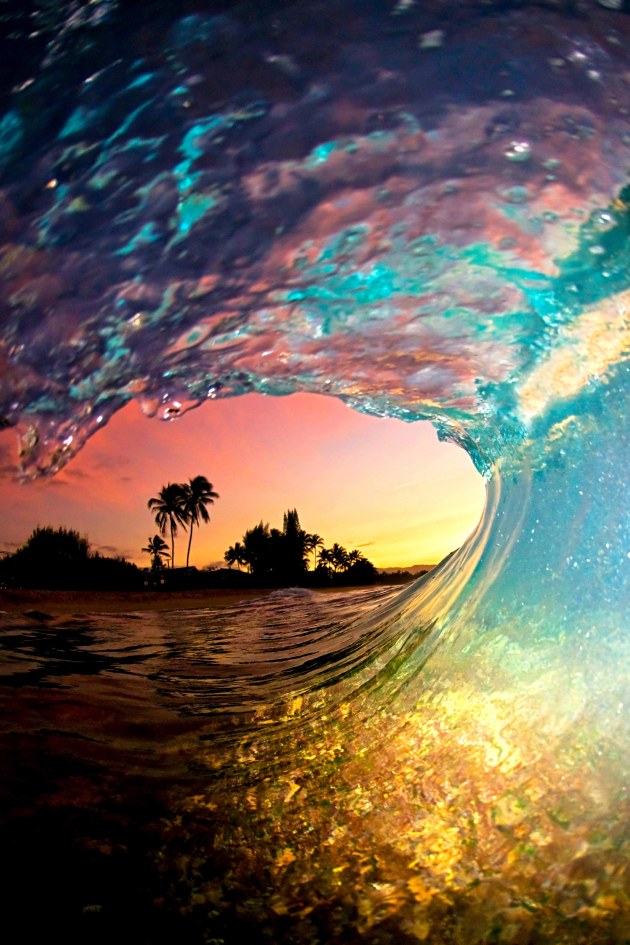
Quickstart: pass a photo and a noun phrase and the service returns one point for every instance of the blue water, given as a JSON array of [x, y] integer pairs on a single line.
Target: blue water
[[422, 209]]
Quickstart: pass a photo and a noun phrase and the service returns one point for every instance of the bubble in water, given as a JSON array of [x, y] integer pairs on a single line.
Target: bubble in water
[[518, 151], [602, 220], [431, 40], [516, 195]]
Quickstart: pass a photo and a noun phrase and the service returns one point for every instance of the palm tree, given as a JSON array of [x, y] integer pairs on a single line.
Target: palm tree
[[236, 555], [168, 508], [325, 559], [241, 554], [312, 543], [354, 557], [157, 548], [338, 557], [197, 493]]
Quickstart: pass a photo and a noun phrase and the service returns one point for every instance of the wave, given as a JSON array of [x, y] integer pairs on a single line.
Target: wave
[[421, 209]]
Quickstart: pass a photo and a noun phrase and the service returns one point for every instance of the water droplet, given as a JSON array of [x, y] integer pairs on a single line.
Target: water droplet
[[431, 40], [24, 85], [402, 6], [577, 56], [518, 151], [172, 410], [602, 220], [516, 195]]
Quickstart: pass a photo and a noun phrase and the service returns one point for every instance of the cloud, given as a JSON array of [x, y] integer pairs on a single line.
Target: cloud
[[111, 551], [108, 549], [103, 464], [216, 564]]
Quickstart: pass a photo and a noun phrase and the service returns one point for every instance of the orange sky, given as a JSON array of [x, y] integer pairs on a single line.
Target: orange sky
[[383, 486]]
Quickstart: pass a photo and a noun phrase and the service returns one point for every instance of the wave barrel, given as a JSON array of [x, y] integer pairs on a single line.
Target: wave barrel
[[423, 209]]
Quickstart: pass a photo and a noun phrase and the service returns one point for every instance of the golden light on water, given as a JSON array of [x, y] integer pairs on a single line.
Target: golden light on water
[[595, 341], [460, 820]]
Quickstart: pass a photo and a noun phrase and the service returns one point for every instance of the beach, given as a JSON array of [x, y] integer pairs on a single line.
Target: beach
[[61, 603]]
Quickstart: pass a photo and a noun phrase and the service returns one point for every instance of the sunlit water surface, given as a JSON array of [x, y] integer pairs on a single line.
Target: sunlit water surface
[[265, 770]]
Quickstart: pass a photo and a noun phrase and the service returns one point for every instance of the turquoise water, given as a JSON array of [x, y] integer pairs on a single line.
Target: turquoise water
[[422, 209]]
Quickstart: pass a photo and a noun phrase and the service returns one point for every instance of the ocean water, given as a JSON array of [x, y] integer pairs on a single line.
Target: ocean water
[[422, 209]]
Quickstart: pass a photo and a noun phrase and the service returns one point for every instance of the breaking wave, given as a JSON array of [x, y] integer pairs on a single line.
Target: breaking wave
[[422, 209]]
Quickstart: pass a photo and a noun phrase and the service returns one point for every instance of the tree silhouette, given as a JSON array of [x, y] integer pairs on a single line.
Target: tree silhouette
[[231, 556], [168, 509], [313, 542], [236, 554], [325, 560], [354, 557], [197, 494], [292, 547], [256, 548], [338, 557], [241, 556], [359, 570], [157, 548], [279, 557], [61, 558]]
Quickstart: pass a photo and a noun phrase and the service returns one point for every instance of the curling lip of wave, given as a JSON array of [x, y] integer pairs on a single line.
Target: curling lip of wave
[[406, 241]]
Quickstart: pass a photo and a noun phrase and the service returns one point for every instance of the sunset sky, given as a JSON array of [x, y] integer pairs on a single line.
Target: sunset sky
[[385, 487]]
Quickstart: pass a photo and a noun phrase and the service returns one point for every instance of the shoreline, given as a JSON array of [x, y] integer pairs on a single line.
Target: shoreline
[[63, 603], [54, 603]]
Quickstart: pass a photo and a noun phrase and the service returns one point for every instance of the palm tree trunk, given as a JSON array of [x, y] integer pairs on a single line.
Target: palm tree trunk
[[172, 546], [189, 542]]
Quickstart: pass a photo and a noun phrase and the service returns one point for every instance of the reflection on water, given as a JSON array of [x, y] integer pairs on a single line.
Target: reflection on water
[[218, 775]]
